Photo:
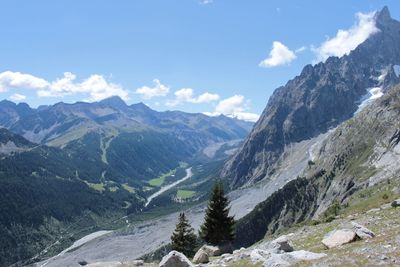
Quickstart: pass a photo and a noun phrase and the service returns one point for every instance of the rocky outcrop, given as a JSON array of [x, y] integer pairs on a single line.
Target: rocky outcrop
[[211, 250], [200, 257], [339, 237], [175, 259], [396, 203], [357, 154], [278, 252], [361, 231], [320, 98]]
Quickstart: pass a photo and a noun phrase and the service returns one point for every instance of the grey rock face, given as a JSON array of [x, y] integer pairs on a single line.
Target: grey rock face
[[339, 237], [211, 250], [282, 244], [320, 98], [200, 257], [396, 203], [175, 259], [362, 231]]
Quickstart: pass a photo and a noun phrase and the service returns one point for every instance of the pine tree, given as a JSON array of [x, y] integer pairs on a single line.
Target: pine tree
[[183, 238], [218, 226]]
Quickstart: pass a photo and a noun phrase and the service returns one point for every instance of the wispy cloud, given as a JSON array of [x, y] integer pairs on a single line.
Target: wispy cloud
[[236, 107], [206, 2], [347, 40], [95, 86], [17, 97], [300, 49], [187, 95], [157, 90], [279, 55]]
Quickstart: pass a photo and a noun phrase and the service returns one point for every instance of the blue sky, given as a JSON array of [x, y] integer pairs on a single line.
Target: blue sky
[[191, 55]]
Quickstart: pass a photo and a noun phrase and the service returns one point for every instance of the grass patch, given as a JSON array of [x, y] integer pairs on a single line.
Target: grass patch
[[98, 187], [185, 194], [183, 164], [371, 197], [113, 188], [128, 188], [160, 180]]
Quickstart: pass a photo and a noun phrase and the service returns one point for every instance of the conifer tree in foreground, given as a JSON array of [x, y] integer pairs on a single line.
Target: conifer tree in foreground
[[183, 238], [218, 226]]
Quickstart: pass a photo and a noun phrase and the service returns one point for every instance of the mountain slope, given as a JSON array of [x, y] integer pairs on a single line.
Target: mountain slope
[[42, 198], [320, 98], [362, 152]]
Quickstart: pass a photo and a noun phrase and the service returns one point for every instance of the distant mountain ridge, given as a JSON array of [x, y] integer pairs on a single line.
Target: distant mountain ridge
[[46, 124], [320, 98]]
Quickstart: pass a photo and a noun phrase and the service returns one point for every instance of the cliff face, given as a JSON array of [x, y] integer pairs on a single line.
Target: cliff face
[[320, 98], [362, 152]]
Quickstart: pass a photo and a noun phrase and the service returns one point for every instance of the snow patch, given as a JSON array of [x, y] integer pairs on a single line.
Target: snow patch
[[373, 94], [396, 69], [382, 77]]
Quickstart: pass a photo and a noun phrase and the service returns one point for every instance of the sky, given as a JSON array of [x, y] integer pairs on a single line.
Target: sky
[[211, 56]]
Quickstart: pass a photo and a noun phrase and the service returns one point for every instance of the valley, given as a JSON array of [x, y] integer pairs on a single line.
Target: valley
[[313, 182]]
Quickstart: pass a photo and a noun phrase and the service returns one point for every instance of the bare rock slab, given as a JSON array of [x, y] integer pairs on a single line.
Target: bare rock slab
[[200, 257], [362, 231], [282, 243], [175, 259], [339, 237]]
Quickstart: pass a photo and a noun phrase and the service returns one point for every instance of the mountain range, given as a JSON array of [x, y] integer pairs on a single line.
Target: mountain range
[[78, 166], [325, 139]]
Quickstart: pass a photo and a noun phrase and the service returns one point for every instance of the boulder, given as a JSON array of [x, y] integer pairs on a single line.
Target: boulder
[[211, 250], [271, 259], [200, 257], [339, 237], [276, 260], [175, 259], [303, 255], [396, 203], [259, 255], [226, 248], [137, 263], [361, 231], [281, 244]]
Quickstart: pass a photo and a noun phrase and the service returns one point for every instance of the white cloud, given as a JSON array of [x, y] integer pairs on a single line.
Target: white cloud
[[186, 95], [234, 107], [279, 55], [347, 40], [9, 80], [300, 49], [151, 92], [206, 2], [95, 85], [207, 98], [17, 97]]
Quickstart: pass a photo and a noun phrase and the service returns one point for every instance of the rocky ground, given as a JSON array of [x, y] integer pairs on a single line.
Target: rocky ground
[[381, 250], [302, 245]]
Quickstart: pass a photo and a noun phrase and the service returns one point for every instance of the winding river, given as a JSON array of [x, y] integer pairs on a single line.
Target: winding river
[[168, 187]]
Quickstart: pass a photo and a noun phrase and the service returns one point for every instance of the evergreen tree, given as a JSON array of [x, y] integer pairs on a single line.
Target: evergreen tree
[[183, 238], [218, 226]]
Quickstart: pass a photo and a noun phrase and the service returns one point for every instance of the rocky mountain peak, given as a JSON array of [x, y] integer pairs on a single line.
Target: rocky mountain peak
[[320, 98], [383, 16], [114, 102]]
